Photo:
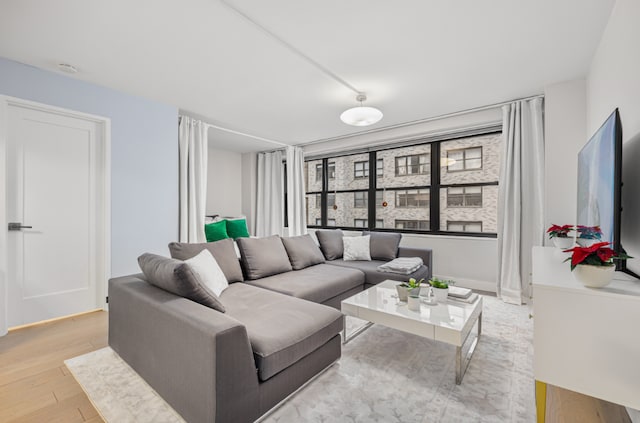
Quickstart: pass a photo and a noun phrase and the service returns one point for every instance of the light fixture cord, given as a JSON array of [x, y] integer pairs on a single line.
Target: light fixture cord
[[292, 48]]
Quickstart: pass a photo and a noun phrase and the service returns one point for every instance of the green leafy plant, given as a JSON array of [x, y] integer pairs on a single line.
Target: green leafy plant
[[412, 284], [439, 283]]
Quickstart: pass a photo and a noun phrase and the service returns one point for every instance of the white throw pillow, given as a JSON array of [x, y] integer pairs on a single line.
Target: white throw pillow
[[356, 248], [208, 271]]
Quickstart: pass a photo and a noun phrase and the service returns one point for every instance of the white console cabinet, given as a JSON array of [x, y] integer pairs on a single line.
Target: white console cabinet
[[586, 340]]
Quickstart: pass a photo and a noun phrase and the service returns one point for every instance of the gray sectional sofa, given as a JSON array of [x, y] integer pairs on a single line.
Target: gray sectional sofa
[[234, 357]]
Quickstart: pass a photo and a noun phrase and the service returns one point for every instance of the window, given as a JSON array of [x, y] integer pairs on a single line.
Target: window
[[464, 159], [464, 226], [318, 172], [360, 223], [412, 224], [415, 164], [360, 199], [426, 187], [361, 169], [464, 197], [412, 198]]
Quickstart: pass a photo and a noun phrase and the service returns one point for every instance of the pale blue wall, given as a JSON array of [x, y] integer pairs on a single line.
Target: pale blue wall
[[144, 157]]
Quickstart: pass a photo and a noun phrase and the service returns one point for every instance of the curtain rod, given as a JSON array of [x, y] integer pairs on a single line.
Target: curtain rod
[[418, 121], [244, 134]]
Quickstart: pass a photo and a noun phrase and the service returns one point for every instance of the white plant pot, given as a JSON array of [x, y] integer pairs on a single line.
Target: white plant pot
[[586, 242], [413, 303], [594, 276], [562, 243], [441, 294]]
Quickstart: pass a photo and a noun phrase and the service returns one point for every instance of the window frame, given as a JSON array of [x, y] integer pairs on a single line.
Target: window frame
[[433, 169]]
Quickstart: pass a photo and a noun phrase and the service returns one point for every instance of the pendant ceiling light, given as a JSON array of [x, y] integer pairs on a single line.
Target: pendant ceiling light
[[361, 115]]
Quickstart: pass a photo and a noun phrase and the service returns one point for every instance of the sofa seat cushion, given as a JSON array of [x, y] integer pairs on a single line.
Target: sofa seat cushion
[[373, 276], [315, 283], [281, 329]]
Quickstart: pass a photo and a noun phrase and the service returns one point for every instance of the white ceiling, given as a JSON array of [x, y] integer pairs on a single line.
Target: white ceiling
[[414, 58]]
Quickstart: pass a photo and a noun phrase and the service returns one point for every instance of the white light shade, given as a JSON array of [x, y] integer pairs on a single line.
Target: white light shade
[[361, 116]]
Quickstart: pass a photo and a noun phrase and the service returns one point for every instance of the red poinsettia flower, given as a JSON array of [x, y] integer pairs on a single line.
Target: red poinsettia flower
[[559, 231], [599, 251]]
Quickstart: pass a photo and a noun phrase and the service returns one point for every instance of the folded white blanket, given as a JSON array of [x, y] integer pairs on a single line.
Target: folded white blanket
[[402, 265]]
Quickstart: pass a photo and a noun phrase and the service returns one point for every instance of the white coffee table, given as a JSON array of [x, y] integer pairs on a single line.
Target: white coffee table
[[450, 322]]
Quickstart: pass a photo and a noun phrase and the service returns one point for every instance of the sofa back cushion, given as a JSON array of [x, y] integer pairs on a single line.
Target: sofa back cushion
[[302, 251], [384, 245], [223, 251], [263, 257], [178, 278], [331, 243]]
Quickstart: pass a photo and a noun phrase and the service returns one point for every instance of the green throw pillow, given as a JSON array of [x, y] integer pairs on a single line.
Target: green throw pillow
[[216, 231], [237, 228]]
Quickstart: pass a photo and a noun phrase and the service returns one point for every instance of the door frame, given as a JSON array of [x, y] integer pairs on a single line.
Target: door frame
[[103, 262]]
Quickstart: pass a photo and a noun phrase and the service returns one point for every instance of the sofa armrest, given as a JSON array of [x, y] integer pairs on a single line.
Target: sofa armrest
[[426, 254], [198, 359]]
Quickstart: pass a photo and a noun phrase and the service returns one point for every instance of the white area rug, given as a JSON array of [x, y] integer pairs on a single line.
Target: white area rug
[[383, 376]]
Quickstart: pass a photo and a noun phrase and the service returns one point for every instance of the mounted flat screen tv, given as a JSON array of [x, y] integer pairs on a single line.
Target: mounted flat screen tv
[[600, 181]]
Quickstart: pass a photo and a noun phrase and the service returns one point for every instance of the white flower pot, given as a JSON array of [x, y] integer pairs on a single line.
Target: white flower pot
[[562, 243], [586, 242], [441, 294], [413, 303], [594, 276]]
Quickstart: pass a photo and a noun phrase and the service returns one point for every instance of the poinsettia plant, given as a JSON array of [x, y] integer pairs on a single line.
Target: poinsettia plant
[[559, 231], [598, 254], [589, 232]]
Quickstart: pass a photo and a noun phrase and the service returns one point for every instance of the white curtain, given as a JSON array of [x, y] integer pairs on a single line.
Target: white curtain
[[270, 199], [520, 198], [296, 207], [193, 178]]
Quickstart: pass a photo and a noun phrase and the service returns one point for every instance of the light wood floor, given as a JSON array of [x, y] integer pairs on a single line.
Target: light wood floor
[[35, 385]]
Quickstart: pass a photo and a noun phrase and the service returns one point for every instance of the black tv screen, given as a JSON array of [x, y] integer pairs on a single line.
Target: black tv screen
[[599, 181]]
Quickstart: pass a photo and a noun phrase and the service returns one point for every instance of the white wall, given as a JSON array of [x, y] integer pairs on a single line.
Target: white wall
[[249, 189], [565, 133], [472, 262], [224, 183], [614, 77]]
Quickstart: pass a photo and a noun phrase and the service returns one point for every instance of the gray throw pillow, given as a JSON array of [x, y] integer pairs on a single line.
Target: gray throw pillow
[[331, 243], [178, 278], [223, 251], [384, 245], [302, 251], [262, 257]]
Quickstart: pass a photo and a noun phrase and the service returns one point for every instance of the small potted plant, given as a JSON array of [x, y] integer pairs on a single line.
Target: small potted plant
[[560, 236], [412, 287], [593, 265], [588, 235], [440, 289]]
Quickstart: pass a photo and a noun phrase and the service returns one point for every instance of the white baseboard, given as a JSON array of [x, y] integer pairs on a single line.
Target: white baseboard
[[471, 283]]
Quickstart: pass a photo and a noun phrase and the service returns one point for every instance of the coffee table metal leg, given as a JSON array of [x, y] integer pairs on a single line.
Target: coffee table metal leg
[[355, 332], [463, 362]]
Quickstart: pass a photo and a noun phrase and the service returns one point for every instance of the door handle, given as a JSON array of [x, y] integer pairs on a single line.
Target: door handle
[[16, 226]]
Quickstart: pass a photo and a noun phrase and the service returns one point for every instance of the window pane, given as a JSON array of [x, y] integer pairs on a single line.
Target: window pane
[[344, 170], [405, 167], [472, 204], [313, 208], [313, 182], [386, 217], [345, 211], [477, 159]]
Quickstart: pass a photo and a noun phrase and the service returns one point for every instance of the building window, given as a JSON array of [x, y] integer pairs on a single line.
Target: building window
[[464, 226], [464, 197], [361, 169], [318, 221], [412, 198], [318, 201], [331, 222], [331, 199], [360, 223], [415, 164], [412, 224], [464, 159], [360, 199], [380, 168], [379, 223], [332, 171]]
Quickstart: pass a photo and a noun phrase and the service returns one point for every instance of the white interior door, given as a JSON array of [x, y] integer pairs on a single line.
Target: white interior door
[[55, 191]]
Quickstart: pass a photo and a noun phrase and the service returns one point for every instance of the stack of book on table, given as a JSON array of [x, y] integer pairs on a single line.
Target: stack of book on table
[[462, 294]]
